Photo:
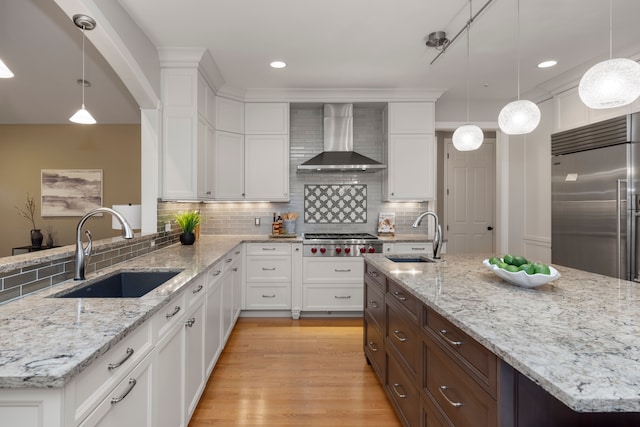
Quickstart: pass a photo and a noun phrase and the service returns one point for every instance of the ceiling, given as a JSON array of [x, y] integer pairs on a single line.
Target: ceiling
[[329, 44]]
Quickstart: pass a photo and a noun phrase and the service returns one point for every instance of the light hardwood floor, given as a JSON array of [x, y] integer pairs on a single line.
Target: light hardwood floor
[[283, 372]]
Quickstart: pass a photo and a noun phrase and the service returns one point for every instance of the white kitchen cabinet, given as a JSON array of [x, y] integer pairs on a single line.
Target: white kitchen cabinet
[[333, 284], [266, 118], [229, 115], [411, 117], [236, 274], [410, 152], [266, 167], [130, 403], [194, 358], [411, 168], [213, 327], [229, 166], [186, 134], [231, 298], [268, 276]]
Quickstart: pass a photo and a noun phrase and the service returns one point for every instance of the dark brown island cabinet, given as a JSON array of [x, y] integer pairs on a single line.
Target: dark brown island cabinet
[[436, 375]]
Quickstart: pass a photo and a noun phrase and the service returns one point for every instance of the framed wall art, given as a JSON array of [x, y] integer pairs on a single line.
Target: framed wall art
[[70, 192]]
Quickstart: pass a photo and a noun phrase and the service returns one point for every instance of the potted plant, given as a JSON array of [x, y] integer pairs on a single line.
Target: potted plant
[[29, 213], [188, 221]]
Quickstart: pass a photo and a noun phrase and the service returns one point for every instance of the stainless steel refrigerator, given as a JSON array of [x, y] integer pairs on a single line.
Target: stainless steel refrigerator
[[594, 199]]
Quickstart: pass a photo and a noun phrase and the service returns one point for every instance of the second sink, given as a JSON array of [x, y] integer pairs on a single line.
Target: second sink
[[410, 258], [124, 284]]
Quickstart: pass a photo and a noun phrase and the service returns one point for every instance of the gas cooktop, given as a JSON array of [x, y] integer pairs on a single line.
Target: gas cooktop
[[339, 236]]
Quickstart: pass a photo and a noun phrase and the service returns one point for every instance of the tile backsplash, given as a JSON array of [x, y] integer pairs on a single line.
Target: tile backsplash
[[306, 140]]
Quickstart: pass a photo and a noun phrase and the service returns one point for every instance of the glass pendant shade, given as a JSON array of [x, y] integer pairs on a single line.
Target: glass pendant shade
[[83, 117], [467, 138], [609, 84], [519, 117]]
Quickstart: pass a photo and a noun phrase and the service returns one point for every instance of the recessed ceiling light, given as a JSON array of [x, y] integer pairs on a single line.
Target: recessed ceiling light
[[547, 64], [278, 64]]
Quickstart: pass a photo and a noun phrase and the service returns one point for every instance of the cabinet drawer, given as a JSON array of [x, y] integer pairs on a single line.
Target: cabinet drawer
[[195, 292], [169, 315], [334, 270], [431, 417], [268, 249], [403, 336], [402, 393], [481, 362], [376, 276], [374, 303], [95, 382], [374, 347], [268, 297], [275, 269], [415, 248], [345, 298], [397, 293], [459, 396]]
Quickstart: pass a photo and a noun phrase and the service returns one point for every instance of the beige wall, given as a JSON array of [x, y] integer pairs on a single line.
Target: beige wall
[[26, 149]]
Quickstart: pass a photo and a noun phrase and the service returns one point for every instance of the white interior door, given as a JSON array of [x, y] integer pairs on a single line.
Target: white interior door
[[470, 199]]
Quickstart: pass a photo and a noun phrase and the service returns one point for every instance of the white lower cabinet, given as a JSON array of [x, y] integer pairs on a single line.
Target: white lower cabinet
[[268, 276], [332, 284], [213, 343], [130, 403], [194, 365]]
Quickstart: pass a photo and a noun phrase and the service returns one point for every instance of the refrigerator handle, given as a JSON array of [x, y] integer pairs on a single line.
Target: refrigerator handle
[[618, 220]]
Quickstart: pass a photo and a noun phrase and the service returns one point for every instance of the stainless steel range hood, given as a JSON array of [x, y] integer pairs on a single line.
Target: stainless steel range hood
[[338, 154]]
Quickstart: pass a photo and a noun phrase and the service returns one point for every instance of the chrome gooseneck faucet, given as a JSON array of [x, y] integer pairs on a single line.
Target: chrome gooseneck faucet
[[437, 235], [83, 254]]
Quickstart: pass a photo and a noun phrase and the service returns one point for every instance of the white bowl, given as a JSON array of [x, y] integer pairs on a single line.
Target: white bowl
[[521, 278]]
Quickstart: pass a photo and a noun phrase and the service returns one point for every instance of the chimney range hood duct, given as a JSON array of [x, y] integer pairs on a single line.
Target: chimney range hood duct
[[338, 154]]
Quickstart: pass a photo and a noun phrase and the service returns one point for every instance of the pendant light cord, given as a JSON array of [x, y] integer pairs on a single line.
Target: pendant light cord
[[83, 80], [518, 42], [610, 29], [468, 50]]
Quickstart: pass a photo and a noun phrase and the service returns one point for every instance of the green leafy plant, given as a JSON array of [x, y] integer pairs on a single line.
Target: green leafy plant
[[188, 221], [29, 212]]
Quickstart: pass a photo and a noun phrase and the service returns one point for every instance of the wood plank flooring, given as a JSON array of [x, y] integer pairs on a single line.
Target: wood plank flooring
[[284, 372]]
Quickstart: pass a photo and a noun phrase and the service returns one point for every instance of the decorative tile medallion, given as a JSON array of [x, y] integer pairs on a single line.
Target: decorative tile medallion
[[335, 204]]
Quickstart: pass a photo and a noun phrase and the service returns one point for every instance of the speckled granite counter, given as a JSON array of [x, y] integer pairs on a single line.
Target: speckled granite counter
[[45, 341], [577, 337]]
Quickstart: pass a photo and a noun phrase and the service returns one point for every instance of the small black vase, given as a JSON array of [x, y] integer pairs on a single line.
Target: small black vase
[[36, 238], [187, 238]]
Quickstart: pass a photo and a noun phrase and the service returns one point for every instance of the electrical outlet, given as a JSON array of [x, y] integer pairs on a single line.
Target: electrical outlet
[[167, 226], [257, 222]]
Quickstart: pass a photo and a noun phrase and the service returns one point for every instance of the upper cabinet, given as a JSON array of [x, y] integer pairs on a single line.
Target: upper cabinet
[[229, 115], [266, 118], [410, 152], [187, 122]]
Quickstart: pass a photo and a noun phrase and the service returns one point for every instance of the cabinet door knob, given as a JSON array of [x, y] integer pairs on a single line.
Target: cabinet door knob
[[489, 228]]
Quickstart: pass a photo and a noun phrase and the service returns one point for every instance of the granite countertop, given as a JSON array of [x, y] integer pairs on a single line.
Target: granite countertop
[[44, 342], [578, 337]]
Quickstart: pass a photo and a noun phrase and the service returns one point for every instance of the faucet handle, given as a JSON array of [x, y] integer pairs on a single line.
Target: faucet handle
[[87, 249]]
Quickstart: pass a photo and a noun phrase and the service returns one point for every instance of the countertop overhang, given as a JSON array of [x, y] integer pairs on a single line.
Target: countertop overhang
[[578, 337]]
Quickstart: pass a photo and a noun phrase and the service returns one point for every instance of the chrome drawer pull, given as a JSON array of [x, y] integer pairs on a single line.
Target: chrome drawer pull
[[443, 332], [373, 304], [175, 311], [418, 249], [190, 322], [237, 252], [401, 394], [228, 260], [268, 269], [346, 270], [397, 333], [198, 289], [216, 273], [118, 364], [373, 273], [269, 296], [268, 249], [372, 346], [342, 296], [235, 269], [132, 384], [399, 296], [442, 389]]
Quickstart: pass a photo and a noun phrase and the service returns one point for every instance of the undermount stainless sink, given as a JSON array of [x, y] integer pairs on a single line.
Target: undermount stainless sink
[[411, 258], [123, 284]]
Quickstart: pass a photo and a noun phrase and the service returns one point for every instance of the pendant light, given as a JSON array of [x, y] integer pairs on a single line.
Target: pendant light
[[82, 116], [5, 72], [521, 116], [611, 83], [468, 137]]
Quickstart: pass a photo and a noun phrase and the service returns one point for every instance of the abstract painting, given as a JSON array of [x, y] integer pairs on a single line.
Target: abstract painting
[[70, 192]]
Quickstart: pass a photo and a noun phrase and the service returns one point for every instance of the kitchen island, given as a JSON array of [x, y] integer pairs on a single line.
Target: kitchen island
[[576, 338]]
